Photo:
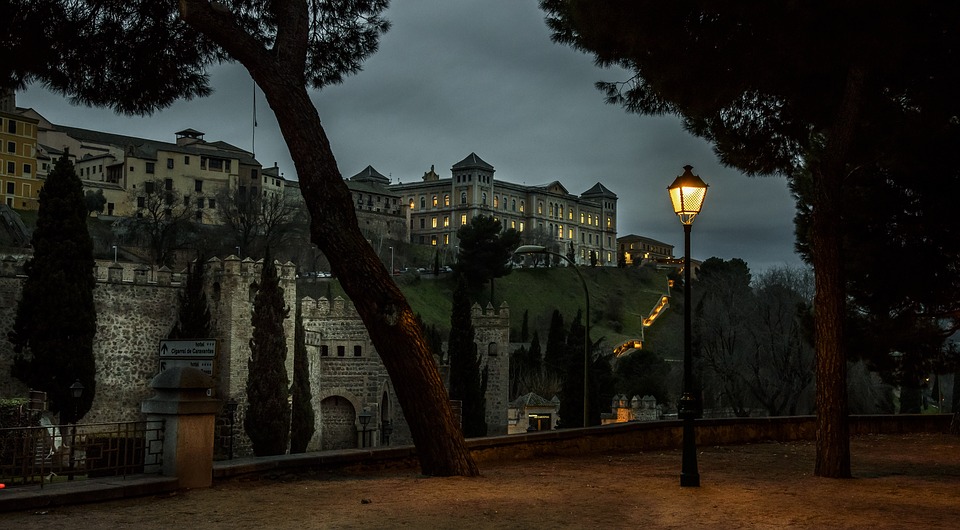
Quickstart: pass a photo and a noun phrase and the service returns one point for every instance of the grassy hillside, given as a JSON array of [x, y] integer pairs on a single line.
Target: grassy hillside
[[619, 300]]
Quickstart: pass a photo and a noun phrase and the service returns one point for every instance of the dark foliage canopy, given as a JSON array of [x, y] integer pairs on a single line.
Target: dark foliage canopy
[[123, 67], [267, 418], [56, 319], [485, 250]]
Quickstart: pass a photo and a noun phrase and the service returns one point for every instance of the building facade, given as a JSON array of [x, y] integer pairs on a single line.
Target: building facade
[[640, 249], [19, 182], [435, 207]]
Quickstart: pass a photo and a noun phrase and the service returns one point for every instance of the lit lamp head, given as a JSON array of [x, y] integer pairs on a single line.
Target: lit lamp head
[[687, 194], [76, 390], [530, 249]]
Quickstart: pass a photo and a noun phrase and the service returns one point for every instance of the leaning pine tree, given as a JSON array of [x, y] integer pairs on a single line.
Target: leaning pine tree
[[466, 382], [267, 418], [56, 320]]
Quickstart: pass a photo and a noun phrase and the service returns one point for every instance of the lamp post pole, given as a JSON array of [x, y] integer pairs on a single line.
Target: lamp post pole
[[391, 261], [687, 194], [537, 249]]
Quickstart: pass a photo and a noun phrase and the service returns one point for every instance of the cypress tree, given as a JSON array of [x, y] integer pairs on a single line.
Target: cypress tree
[[466, 382], [56, 320], [267, 419], [301, 416], [193, 320], [553, 357]]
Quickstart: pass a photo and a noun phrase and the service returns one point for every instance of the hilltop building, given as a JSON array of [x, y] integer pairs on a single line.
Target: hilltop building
[[435, 207]]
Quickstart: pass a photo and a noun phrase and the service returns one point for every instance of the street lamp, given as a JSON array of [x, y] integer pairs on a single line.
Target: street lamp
[[76, 392], [538, 249], [687, 194], [364, 421], [391, 262]]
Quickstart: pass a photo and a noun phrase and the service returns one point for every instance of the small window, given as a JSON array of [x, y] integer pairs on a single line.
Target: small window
[[168, 184], [324, 350], [463, 219], [186, 160], [11, 168], [11, 126], [212, 203], [423, 202], [200, 203], [148, 186], [423, 223], [169, 163], [27, 169], [11, 147], [357, 350], [434, 201], [11, 187], [433, 222], [150, 167], [433, 240], [341, 351], [198, 185], [446, 200], [463, 197]]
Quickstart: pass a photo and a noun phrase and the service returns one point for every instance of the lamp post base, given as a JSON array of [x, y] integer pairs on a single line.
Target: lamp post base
[[689, 473]]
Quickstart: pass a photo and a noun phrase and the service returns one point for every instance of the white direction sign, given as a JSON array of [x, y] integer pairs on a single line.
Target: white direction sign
[[192, 349], [205, 366]]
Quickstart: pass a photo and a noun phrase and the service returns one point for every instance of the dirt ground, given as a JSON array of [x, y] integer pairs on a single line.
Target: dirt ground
[[901, 481]]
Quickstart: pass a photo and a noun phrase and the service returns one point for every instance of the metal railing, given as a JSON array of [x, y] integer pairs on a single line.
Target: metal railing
[[56, 453]]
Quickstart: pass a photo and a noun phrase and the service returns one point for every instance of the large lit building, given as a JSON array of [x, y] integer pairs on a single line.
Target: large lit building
[[436, 207]]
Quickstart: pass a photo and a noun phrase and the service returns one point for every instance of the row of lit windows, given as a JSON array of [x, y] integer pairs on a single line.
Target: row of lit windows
[[10, 168]]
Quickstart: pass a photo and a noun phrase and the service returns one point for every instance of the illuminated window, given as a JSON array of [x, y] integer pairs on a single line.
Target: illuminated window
[[570, 214], [433, 240], [496, 201], [411, 203], [521, 226], [569, 233], [434, 201], [463, 219], [513, 225], [561, 211], [609, 222], [521, 206], [581, 217], [446, 220], [596, 220], [559, 231], [540, 208], [446, 239], [433, 222], [446, 200]]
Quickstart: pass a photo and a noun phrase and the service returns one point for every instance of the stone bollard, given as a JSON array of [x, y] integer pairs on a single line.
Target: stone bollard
[[181, 402]]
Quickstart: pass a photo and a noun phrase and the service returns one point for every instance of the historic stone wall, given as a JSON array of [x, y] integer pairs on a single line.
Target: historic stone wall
[[492, 336], [137, 307]]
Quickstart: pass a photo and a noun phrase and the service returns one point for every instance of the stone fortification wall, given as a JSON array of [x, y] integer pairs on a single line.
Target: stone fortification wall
[[132, 316], [136, 308], [492, 336], [344, 364]]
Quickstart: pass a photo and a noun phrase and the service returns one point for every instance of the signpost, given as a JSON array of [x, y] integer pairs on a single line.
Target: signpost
[[198, 353]]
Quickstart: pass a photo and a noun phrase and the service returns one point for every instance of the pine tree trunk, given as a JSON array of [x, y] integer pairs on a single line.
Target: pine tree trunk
[[833, 430], [380, 304]]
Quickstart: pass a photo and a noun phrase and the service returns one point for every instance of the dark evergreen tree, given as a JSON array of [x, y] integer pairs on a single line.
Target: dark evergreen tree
[[571, 389], [193, 319], [267, 418], [525, 365], [485, 252], [642, 373], [302, 420], [467, 383], [554, 357], [56, 320], [525, 326]]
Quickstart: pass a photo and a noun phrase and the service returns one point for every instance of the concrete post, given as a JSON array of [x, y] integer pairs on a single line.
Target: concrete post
[[181, 401]]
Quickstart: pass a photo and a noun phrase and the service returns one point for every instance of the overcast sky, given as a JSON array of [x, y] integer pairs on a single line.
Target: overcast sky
[[482, 76]]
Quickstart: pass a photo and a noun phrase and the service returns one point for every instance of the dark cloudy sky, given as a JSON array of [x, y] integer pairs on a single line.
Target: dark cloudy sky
[[482, 76]]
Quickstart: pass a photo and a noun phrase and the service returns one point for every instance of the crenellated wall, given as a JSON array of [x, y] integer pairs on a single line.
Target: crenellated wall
[[137, 307]]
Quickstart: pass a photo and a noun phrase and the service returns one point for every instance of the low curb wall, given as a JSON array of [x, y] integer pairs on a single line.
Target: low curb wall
[[631, 436]]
